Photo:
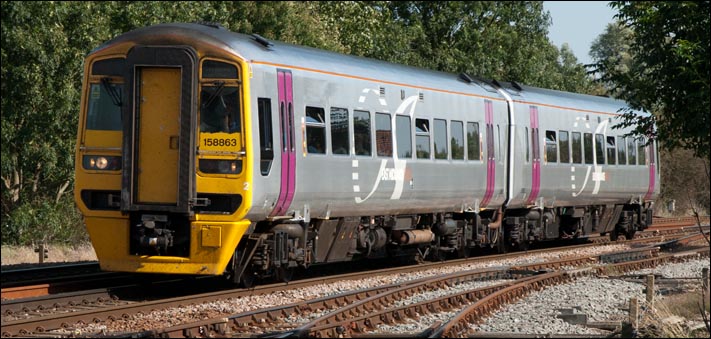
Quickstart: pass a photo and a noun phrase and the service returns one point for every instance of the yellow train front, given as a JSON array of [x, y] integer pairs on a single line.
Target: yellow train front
[[162, 175]]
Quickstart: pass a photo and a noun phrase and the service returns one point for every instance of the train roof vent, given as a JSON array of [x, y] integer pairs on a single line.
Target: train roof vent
[[465, 77], [516, 86], [211, 24], [262, 40], [382, 91], [421, 96]]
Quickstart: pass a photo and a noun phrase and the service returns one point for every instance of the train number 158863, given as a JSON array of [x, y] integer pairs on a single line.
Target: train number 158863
[[219, 142]]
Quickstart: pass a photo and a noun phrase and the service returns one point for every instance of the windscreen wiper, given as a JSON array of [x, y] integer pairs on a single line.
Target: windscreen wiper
[[213, 96], [112, 91]]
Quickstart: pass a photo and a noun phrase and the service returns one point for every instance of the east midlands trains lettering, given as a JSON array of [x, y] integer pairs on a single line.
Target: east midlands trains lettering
[[209, 152]]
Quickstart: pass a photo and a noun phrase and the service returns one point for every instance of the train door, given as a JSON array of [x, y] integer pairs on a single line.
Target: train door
[[158, 132], [288, 149], [490, 153], [535, 157], [158, 138]]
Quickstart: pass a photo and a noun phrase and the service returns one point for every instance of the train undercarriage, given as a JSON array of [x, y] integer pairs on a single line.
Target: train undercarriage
[[275, 249]]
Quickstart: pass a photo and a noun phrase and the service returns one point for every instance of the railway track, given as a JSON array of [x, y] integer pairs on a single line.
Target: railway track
[[108, 312]]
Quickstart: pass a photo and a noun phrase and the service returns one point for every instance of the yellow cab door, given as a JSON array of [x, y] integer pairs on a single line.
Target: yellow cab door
[[158, 129]]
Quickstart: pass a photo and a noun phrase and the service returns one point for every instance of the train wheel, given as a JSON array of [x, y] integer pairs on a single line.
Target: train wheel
[[284, 274], [247, 279]]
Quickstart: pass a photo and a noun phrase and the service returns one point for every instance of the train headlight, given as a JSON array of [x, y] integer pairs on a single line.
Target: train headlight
[[101, 162], [214, 166]]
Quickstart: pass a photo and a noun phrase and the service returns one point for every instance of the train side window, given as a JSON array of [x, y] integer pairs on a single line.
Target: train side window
[[315, 130], [266, 136], [404, 136], [340, 139], [564, 145], [642, 151], [577, 148], [457, 130], [361, 132], [611, 150], [440, 138], [383, 135], [588, 143], [422, 138], [631, 152], [600, 149], [551, 147], [621, 151], [473, 142]]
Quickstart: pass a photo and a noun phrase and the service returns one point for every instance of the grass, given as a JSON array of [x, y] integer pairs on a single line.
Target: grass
[[673, 315], [17, 255]]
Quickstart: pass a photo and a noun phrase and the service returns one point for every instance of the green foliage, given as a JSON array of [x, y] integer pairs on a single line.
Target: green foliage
[[668, 73], [44, 222], [44, 44]]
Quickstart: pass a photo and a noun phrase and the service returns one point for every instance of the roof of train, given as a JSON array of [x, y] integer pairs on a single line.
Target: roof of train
[[285, 55]]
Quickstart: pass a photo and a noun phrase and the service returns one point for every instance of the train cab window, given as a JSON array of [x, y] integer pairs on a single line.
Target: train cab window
[[104, 106], [457, 130], [361, 133], [631, 152], [404, 136], [383, 135], [340, 139], [219, 109], [551, 147], [440, 139], [315, 130], [642, 151], [611, 150], [473, 142], [621, 151], [588, 143], [564, 145], [600, 149], [422, 138], [577, 148], [266, 136]]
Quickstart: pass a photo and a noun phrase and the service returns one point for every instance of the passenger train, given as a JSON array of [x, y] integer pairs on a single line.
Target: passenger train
[[207, 152]]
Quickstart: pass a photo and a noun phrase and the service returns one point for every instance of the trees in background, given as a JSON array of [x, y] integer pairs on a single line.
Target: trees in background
[[42, 65], [657, 59]]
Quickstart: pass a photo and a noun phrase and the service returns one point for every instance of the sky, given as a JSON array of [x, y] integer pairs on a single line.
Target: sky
[[578, 23]]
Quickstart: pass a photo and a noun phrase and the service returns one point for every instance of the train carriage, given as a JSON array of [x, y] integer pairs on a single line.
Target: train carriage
[[204, 151]]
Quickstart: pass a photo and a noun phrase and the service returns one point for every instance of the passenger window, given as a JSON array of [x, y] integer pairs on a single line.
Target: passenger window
[[361, 132], [621, 152], [631, 152], [611, 150], [340, 140], [404, 136], [457, 140], [422, 138], [600, 149], [440, 138], [551, 147], [588, 143], [266, 137], [577, 148], [315, 130], [383, 135], [564, 145], [473, 145], [642, 153]]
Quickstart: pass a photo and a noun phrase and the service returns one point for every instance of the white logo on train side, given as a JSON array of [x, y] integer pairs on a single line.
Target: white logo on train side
[[598, 176], [398, 172]]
